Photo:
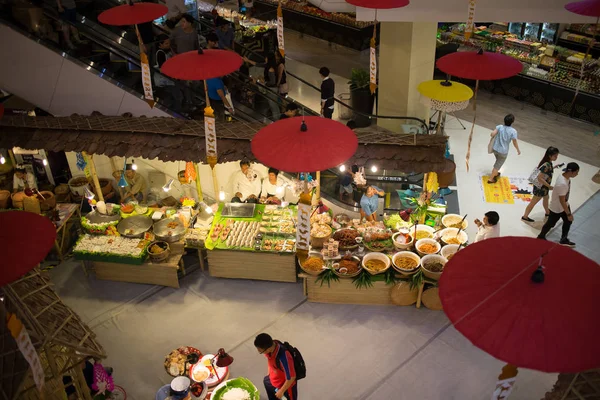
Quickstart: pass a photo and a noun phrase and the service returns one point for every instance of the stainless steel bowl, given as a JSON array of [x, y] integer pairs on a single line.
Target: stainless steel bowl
[[170, 235], [134, 227]]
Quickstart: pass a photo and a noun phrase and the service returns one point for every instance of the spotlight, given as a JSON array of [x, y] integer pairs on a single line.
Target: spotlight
[[374, 168], [133, 165], [88, 194], [45, 162], [206, 207], [168, 185], [2, 160], [342, 168], [222, 195]]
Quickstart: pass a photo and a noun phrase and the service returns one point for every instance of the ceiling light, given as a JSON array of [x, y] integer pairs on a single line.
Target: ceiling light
[[342, 168], [374, 168], [222, 195], [133, 165], [2, 160], [45, 162]]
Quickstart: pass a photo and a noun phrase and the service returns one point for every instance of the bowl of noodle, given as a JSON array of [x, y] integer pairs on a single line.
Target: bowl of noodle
[[453, 221], [376, 263], [406, 263], [452, 236]]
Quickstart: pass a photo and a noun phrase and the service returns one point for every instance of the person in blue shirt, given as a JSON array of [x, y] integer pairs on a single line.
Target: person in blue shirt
[[502, 136], [216, 93], [368, 203]]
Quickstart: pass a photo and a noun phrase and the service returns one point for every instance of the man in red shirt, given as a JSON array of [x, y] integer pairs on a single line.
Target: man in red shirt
[[281, 380]]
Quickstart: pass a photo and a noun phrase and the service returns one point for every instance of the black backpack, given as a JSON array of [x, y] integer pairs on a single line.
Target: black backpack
[[299, 365]]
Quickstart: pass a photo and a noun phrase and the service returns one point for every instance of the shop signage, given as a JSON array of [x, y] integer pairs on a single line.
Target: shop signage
[[303, 229], [19, 333], [147, 80], [211, 136], [280, 42], [470, 26]]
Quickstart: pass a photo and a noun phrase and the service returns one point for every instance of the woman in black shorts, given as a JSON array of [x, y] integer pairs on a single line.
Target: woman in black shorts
[[544, 183]]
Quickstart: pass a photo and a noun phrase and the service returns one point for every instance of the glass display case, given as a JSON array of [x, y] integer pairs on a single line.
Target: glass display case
[[549, 32], [531, 32], [516, 28]]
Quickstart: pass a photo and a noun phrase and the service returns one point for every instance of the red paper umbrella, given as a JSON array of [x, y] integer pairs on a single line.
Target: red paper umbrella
[[484, 66], [287, 146], [132, 14], [379, 4], [25, 240], [203, 64], [590, 8], [489, 293]]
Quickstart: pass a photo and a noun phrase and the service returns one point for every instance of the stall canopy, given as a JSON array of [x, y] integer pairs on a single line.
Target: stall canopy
[[170, 139]]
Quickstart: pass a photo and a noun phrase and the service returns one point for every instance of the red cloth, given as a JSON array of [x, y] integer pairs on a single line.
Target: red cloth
[[379, 4], [25, 240], [191, 66], [487, 292], [137, 13], [591, 8], [485, 67], [278, 374], [326, 144]]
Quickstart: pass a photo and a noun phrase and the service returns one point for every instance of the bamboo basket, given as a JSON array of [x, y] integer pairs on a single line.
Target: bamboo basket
[[160, 257], [402, 295], [4, 198], [17, 199], [32, 204], [431, 299]]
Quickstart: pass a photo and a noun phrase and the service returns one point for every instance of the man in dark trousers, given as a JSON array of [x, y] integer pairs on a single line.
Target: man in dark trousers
[[327, 93], [281, 380]]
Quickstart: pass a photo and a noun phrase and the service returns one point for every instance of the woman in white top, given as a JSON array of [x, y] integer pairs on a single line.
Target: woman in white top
[[273, 187], [489, 228]]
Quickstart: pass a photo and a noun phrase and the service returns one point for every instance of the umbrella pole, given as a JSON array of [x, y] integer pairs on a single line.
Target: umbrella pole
[[505, 383], [473, 125], [198, 184], [212, 163], [318, 193]]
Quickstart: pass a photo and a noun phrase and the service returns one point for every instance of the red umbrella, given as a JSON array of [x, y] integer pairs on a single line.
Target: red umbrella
[[479, 65], [202, 64], [590, 8], [379, 4], [489, 294], [132, 14], [25, 241], [304, 144]]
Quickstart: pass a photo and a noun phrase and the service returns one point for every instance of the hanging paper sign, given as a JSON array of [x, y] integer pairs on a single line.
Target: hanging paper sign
[[190, 172], [81, 162], [280, 41], [303, 229], [210, 134], [19, 333], [470, 27], [147, 80], [373, 64]]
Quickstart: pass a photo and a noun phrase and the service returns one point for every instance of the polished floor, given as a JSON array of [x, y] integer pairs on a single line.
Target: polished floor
[[352, 352]]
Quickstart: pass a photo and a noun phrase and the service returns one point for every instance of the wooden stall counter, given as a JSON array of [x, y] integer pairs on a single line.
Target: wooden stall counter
[[276, 267], [162, 273]]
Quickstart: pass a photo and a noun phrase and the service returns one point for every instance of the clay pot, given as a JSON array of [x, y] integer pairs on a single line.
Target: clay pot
[[50, 201], [17, 199], [4, 198], [105, 186]]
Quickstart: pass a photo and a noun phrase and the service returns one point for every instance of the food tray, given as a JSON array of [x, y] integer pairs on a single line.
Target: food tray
[[134, 227], [341, 275], [238, 210], [164, 232], [353, 247], [183, 351], [286, 242]]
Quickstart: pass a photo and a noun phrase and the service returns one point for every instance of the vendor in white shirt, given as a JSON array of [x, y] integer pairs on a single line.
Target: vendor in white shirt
[[489, 228], [273, 188], [23, 180], [246, 184]]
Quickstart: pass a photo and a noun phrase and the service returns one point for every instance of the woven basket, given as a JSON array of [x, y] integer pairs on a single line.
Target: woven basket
[[313, 273], [402, 295], [160, 256], [431, 299]]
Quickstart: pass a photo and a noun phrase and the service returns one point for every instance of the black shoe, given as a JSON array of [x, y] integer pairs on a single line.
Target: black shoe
[[542, 238], [527, 219], [566, 242]]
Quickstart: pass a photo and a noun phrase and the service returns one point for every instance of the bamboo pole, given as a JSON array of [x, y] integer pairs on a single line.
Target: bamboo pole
[[198, 184], [215, 183], [318, 193], [94, 176]]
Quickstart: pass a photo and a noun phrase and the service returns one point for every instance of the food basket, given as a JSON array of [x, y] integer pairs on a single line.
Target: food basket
[[319, 241], [376, 256], [175, 361], [406, 254], [159, 255], [308, 271], [336, 268], [432, 257]]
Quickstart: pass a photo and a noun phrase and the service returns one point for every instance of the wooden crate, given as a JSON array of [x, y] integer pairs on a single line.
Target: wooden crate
[[248, 265], [344, 292], [163, 273]]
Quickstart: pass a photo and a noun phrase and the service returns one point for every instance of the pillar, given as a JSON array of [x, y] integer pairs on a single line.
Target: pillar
[[406, 58]]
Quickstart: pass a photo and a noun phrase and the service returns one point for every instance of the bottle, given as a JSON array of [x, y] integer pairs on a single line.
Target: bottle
[[282, 397]]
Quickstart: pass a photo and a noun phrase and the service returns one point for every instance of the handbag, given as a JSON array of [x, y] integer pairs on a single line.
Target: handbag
[[533, 177], [491, 144]]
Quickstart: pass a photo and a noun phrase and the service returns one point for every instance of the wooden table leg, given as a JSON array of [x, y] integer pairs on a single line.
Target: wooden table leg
[[84, 267], [58, 250], [182, 266], [201, 260], [420, 295]]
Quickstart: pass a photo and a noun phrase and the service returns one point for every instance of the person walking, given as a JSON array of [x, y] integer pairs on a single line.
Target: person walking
[[502, 136], [542, 187], [489, 228], [281, 380], [282, 83], [164, 86], [327, 93], [559, 205]]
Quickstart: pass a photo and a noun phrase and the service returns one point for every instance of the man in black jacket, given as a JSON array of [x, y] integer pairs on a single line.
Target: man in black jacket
[[327, 93]]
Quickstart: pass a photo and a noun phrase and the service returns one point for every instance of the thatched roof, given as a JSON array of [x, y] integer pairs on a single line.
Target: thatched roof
[[61, 339], [170, 139]]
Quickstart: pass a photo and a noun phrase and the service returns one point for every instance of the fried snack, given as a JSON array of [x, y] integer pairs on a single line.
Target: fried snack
[[313, 264], [428, 248]]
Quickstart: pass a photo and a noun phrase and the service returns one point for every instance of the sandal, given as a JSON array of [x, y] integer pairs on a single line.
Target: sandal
[[492, 181], [527, 219]]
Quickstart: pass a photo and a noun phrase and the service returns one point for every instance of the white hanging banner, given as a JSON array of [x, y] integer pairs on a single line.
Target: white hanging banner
[[280, 42], [373, 70], [19, 333], [147, 80], [504, 388], [470, 27], [303, 228], [211, 137]]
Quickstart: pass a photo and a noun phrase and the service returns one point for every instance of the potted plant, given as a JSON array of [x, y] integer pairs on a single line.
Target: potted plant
[[361, 98]]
